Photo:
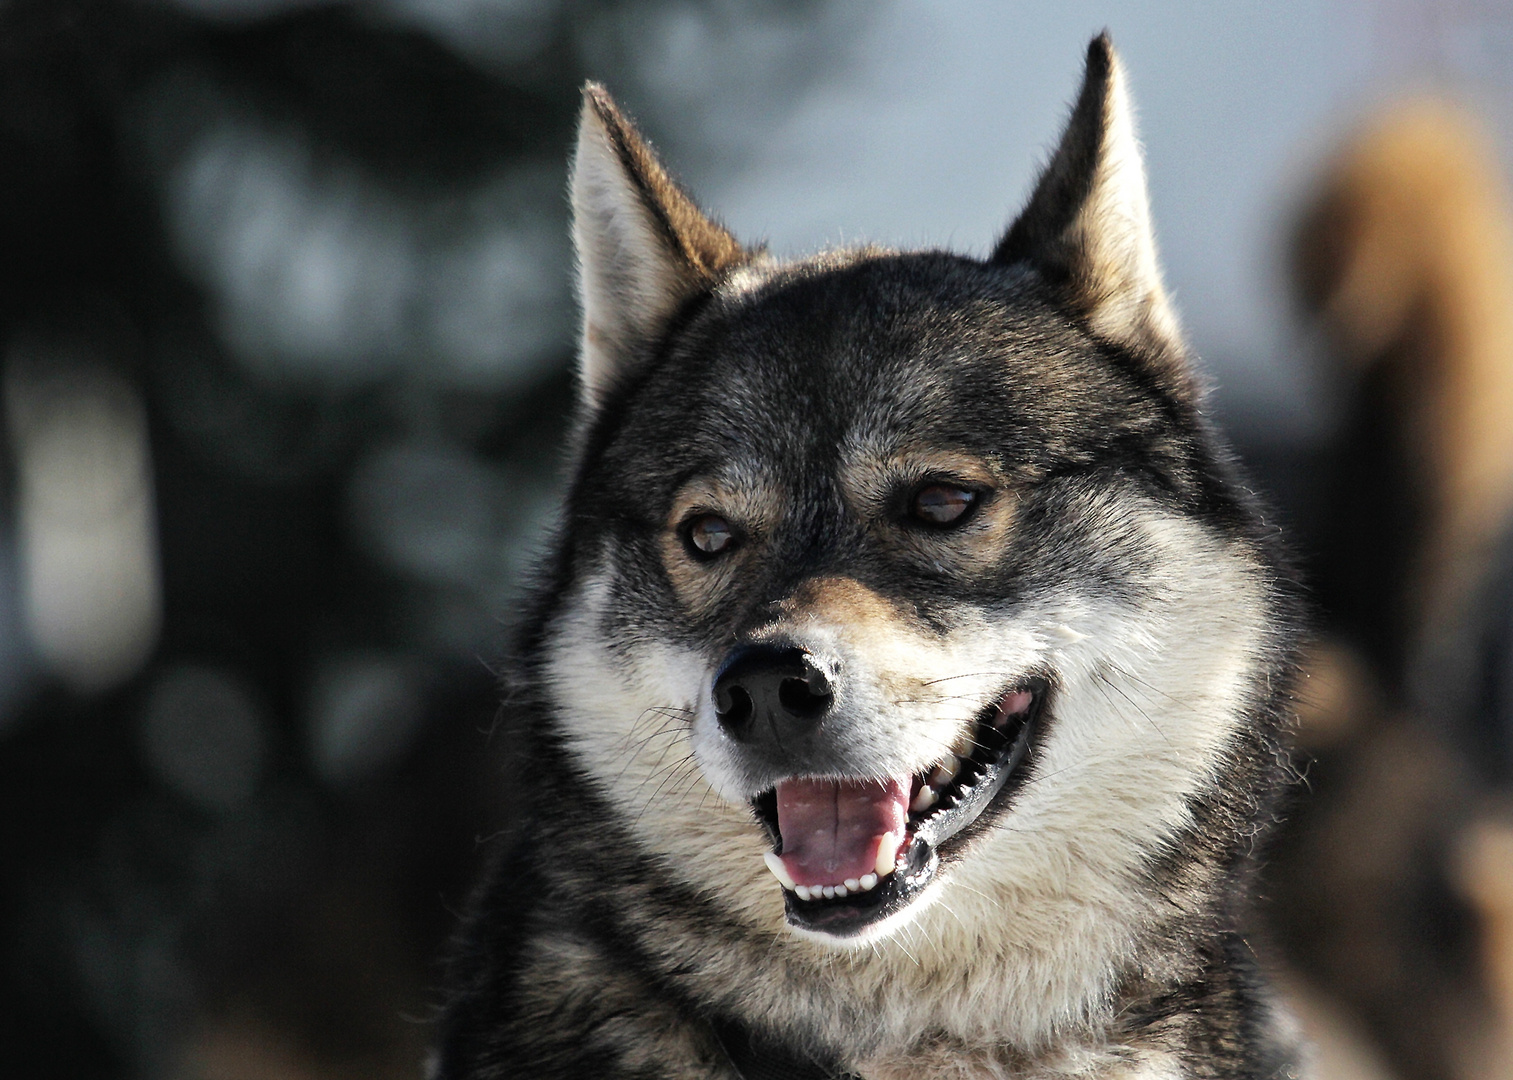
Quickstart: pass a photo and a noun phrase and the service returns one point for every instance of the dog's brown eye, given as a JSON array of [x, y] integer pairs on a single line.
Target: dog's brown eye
[[709, 534], [942, 504]]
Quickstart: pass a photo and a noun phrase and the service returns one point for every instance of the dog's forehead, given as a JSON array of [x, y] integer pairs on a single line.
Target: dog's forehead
[[898, 331], [870, 358]]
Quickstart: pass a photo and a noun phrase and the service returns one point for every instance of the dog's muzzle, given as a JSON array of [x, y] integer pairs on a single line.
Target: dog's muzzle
[[850, 850]]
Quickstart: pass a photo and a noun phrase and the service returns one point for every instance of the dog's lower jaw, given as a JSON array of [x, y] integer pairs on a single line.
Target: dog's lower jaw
[[896, 922]]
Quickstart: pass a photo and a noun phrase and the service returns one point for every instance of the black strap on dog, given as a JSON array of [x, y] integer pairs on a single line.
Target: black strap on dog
[[754, 1058]]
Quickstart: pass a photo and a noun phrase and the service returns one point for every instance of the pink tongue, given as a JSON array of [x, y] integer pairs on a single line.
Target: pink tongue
[[831, 828]]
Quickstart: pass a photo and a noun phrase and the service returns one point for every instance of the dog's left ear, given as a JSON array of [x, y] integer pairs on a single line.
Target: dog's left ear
[[644, 247], [1087, 228]]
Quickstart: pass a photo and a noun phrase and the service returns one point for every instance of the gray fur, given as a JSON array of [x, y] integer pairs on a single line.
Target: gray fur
[[1089, 922]]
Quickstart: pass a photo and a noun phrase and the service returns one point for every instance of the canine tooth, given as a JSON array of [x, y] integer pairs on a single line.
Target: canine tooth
[[1067, 634], [887, 854], [926, 797], [801, 891], [946, 771], [853, 885], [829, 891], [868, 882], [779, 871]]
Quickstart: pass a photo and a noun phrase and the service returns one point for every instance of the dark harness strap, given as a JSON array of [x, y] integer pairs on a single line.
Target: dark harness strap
[[753, 1058]]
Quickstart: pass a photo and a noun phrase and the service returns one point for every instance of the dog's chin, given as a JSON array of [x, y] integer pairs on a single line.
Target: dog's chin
[[944, 813]]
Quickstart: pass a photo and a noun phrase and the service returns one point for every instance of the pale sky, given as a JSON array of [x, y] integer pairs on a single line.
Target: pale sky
[[930, 131]]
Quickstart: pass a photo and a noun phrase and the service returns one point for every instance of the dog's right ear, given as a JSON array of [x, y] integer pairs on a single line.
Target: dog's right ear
[[644, 248]]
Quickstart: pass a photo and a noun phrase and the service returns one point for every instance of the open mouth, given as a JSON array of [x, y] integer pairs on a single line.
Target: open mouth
[[849, 853]]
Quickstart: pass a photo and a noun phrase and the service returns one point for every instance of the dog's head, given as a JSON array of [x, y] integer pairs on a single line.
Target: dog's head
[[896, 570]]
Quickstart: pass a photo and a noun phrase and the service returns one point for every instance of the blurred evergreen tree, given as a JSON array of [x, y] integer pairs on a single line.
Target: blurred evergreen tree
[[324, 246]]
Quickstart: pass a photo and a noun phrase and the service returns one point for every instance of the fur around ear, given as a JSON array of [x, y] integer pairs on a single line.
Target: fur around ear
[[643, 246], [1087, 228]]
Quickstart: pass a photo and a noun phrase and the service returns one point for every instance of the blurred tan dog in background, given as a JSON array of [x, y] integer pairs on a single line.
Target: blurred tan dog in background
[[1394, 888]]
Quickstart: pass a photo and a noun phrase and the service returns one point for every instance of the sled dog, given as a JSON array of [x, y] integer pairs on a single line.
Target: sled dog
[[905, 693]]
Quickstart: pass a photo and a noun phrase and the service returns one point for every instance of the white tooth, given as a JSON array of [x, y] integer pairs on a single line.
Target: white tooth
[[829, 891], [841, 891], [801, 892], [852, 885], [779, 871], [868, 882], [887, 854], [1067, 634], [925, 798]]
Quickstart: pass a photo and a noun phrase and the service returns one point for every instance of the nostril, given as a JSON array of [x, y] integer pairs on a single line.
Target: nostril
[[801, 699], [732, 704]]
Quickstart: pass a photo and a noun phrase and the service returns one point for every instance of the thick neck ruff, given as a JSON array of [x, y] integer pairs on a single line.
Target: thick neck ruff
[[755, 1058]]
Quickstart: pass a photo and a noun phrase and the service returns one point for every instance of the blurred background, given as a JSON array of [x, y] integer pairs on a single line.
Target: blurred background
[[285, 348]]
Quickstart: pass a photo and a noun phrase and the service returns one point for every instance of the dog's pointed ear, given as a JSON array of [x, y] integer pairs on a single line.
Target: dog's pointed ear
[[643, 246], [1087, 228]]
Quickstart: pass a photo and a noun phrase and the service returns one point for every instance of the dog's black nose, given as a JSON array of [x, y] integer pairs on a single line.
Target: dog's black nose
[[771, 692]]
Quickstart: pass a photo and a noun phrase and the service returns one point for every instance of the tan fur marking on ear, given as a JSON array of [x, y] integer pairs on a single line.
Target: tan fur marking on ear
[[643, 246], [1122, 275], [1087, 227]]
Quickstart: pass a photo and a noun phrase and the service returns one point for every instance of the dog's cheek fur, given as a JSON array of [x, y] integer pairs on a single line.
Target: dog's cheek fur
[[1150, 703], [1057, 901], [632, 709]]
